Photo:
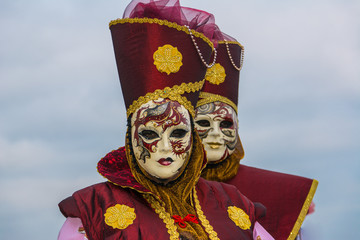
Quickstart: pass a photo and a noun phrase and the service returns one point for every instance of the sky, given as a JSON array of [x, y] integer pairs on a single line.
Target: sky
[[61, 106]]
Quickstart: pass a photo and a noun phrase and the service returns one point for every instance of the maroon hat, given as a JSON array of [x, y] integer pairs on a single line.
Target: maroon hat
[[222, 80], [158, 58]]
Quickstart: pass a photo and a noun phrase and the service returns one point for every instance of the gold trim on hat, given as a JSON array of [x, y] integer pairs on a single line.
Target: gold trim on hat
[[205, 98], [231, 42], [162, 22], [173, 93]]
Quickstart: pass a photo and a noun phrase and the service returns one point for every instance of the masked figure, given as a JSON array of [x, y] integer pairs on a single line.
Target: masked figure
[[154, 189], [286, 197]]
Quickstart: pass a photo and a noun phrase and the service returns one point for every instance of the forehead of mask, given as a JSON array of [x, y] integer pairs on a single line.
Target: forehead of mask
[[161, 138], [217, 126]]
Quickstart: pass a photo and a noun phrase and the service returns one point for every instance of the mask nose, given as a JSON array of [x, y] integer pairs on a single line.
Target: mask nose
[[164, 145], [215, 132]]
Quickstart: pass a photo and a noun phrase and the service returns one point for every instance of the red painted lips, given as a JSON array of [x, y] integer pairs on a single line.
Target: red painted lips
[[166, 161]]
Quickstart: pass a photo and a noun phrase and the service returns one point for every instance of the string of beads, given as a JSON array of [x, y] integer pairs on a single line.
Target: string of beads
[[199, 52], [231, 59]]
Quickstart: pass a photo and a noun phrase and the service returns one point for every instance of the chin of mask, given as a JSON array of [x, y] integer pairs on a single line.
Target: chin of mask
[[217, 126], [161, 138]]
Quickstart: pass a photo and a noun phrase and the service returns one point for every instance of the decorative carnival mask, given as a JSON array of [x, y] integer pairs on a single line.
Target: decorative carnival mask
[[161, 138], [216, 113], [217, 125]]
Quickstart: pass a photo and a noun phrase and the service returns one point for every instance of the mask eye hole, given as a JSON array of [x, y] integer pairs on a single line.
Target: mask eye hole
[[149, 134], [203, 123], [226, 124], [178, 133]]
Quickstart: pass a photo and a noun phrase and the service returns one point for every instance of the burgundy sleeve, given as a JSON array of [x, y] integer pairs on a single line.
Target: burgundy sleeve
[[69, 208]]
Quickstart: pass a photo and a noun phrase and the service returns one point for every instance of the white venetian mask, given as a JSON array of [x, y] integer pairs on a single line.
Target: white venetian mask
[[217, 126], [161, 138]]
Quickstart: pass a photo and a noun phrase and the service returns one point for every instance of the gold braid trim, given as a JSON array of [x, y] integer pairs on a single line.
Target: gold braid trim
[[173, 93], [205, 98], [208, 228], [165, 216], [231, 42], [304, 210], [162, 22]]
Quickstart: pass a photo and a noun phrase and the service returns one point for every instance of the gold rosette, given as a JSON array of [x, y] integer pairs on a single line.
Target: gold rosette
[[167, 59], [215, 74], [239, 217], [119, 216]]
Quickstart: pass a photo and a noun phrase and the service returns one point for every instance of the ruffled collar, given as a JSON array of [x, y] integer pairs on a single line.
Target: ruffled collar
[[115, 168]]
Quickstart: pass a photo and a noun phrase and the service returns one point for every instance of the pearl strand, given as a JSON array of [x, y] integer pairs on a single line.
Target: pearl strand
[[231, 59], [198, 50]]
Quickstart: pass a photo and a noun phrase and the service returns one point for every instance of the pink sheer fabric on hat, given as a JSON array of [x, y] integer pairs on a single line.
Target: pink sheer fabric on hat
[[227, 38], [172, 11]]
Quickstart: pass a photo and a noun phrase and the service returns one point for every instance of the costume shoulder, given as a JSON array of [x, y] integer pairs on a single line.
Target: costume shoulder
[[72, 206], [286, 197]]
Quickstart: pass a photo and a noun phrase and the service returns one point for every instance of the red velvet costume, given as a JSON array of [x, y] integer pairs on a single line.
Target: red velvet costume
[[90, 204], [287, 198]]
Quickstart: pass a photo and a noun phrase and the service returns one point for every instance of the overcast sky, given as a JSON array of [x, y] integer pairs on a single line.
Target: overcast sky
[[61, 107]]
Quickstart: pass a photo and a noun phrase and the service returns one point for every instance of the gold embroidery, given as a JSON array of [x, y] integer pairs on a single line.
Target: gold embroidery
[[119, 216], [231, 42], [239, 217], [205, 98], [208, 228], [165, 216], [174, 93], [170, 223], [304, 210], [215, 74], [167, 59], [258, 238], [162, 22]]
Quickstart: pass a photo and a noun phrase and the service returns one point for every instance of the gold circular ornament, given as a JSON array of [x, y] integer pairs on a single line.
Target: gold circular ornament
[[239, 217], [215, 74], [120, 216], [167, 59]]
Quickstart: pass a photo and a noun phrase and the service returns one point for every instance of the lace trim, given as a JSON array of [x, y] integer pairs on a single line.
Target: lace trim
[[210, 97], [165, 216], [303, 211], [162, 22], [173, 93], [208, 228]]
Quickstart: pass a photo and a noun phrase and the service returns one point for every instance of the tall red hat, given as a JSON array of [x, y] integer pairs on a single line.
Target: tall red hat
[[162, 53], [223, 78]]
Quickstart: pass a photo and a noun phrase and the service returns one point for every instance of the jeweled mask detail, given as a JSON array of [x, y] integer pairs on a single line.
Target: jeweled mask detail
[[217, 126], [161, 138]]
